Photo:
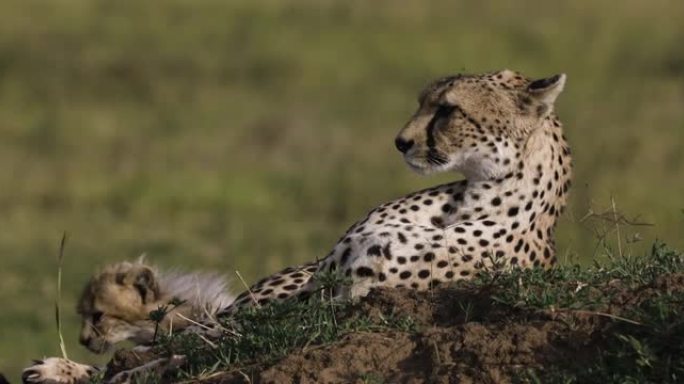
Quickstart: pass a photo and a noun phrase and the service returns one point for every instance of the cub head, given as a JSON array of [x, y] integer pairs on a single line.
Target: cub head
[[115, 306], [476, 124]]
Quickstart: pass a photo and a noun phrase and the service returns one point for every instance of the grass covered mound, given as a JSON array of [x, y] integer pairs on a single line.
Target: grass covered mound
[[617, 322]]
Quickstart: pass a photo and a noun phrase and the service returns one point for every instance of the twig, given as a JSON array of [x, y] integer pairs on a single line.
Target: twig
[[244, 376], [609, 216], [613, 221]]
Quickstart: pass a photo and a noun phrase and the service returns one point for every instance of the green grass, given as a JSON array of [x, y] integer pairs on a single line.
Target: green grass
[[249, 134], [264, 334], [640, 341]]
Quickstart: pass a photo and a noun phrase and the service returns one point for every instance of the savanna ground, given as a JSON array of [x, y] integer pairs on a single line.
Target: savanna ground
[[619, 321], [249, 134]]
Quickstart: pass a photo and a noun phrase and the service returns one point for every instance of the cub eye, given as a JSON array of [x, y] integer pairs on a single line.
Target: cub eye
[[97, 316]]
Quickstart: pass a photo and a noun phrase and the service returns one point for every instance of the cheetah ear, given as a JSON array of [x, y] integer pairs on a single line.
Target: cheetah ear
[[146, 284], [547, 90], [142, 259]]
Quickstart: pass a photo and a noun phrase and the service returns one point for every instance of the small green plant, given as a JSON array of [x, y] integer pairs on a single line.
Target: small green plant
[[329, 282], [371, 378], [160, 313], [270, 332]]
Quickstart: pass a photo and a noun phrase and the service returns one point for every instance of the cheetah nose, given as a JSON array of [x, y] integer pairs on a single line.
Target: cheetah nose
[[403, 145]]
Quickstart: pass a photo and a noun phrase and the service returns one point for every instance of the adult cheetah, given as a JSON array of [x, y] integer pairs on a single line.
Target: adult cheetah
[[499, 130]]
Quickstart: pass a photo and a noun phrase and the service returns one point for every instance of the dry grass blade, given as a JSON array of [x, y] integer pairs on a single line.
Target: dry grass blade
[[593, 313], [58, 317], [208, 328], [617, 226], [251, 295]]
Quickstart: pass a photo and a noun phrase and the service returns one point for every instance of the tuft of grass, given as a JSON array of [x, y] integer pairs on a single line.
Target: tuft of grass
[[265, 334], [644, 339]]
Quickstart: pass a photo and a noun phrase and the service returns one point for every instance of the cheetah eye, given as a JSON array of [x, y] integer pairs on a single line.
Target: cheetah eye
[[97, 316], [444, 111]]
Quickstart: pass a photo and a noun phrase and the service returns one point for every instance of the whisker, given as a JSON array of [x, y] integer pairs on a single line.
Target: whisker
[[435, 158]]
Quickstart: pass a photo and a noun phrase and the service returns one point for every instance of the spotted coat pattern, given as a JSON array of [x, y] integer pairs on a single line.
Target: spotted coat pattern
[[500, 131]]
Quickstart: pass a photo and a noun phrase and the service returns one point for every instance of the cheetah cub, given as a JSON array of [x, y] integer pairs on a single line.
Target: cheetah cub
[[500, 131], [115, 306]]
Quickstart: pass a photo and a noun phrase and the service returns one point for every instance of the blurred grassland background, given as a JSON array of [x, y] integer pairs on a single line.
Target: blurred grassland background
[[249, 134]]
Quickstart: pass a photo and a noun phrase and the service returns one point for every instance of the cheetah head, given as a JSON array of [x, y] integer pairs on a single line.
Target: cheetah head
[[476, 124], [115, 306]]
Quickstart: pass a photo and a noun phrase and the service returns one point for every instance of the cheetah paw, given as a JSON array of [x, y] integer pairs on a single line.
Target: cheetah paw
[[55, 370]]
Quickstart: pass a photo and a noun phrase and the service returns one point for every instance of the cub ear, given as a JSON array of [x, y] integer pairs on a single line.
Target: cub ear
[[547, 90], [142, 259], [145, 282]]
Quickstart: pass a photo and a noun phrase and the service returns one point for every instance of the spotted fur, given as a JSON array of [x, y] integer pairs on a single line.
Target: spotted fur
[[500, 131]]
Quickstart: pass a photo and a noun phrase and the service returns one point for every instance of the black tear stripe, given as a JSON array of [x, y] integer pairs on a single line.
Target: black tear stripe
[[443, 111]]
